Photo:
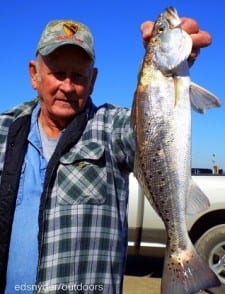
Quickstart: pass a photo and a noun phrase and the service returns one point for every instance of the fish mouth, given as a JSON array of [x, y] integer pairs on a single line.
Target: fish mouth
[[172, 17]]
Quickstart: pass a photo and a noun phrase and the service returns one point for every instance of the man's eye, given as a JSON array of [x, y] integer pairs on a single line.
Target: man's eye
[[75, 78], [59, 75], [78, 78]]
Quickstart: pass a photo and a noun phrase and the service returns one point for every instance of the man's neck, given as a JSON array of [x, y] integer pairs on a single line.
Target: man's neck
[[51, 129]]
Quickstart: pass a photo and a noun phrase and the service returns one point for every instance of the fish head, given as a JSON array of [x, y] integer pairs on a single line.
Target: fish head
[[170, 44]]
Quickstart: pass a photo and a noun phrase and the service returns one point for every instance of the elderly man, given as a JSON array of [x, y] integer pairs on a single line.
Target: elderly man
[[64, 173]]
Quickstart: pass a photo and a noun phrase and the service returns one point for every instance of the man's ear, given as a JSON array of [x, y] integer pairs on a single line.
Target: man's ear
[[33, 74]]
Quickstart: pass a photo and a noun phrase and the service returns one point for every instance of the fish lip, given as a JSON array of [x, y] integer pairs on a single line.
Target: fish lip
[[172, 17]]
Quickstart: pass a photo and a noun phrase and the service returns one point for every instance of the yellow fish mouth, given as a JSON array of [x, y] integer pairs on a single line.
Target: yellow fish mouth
[[172, 17]]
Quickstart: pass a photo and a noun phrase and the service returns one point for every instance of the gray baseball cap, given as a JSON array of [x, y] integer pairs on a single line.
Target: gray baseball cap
[[64, 32]]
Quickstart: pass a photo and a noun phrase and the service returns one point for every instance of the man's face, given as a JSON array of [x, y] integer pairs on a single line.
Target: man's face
[[64, 80]]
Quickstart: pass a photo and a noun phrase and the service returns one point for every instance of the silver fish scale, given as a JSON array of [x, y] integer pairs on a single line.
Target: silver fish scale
[[159, 162]]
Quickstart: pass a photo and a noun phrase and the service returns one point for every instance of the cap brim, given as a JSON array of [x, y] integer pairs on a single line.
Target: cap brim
[[50, 48]]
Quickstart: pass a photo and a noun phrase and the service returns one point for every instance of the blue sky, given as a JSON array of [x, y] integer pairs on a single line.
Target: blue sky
[[116, 27]]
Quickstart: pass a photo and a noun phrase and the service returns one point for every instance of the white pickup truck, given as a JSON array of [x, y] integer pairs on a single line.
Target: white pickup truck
[[207, 230]]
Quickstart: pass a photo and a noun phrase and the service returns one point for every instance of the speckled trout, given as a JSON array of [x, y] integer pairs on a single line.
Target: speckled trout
[[161, 119]]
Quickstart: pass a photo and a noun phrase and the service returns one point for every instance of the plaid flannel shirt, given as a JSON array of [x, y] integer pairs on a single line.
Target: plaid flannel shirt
[[84, 241]]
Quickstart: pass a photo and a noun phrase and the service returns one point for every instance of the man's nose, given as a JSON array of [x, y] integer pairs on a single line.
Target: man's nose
[[67, 84]]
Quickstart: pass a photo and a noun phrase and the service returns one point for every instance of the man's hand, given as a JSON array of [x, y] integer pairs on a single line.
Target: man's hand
[[199, 37]]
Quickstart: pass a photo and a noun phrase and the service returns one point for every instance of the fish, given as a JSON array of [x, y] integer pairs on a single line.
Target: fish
[[161, 121]]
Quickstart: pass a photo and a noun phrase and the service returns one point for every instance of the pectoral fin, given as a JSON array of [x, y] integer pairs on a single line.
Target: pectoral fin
[[202, 99], [197, 201]]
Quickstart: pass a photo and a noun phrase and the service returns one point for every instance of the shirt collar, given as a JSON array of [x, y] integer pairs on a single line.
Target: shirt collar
[[34, 134]]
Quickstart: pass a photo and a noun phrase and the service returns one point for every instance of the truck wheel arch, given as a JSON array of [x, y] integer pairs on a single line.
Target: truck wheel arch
[[205, 222]]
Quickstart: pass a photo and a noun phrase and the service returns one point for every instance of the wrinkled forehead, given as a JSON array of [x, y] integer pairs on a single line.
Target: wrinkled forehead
[[66, 57]]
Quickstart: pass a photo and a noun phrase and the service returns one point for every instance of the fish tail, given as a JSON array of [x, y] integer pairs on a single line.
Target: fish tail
[[186, 272]]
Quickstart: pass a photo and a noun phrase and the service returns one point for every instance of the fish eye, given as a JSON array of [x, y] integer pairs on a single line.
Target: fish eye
[[161, 29]]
